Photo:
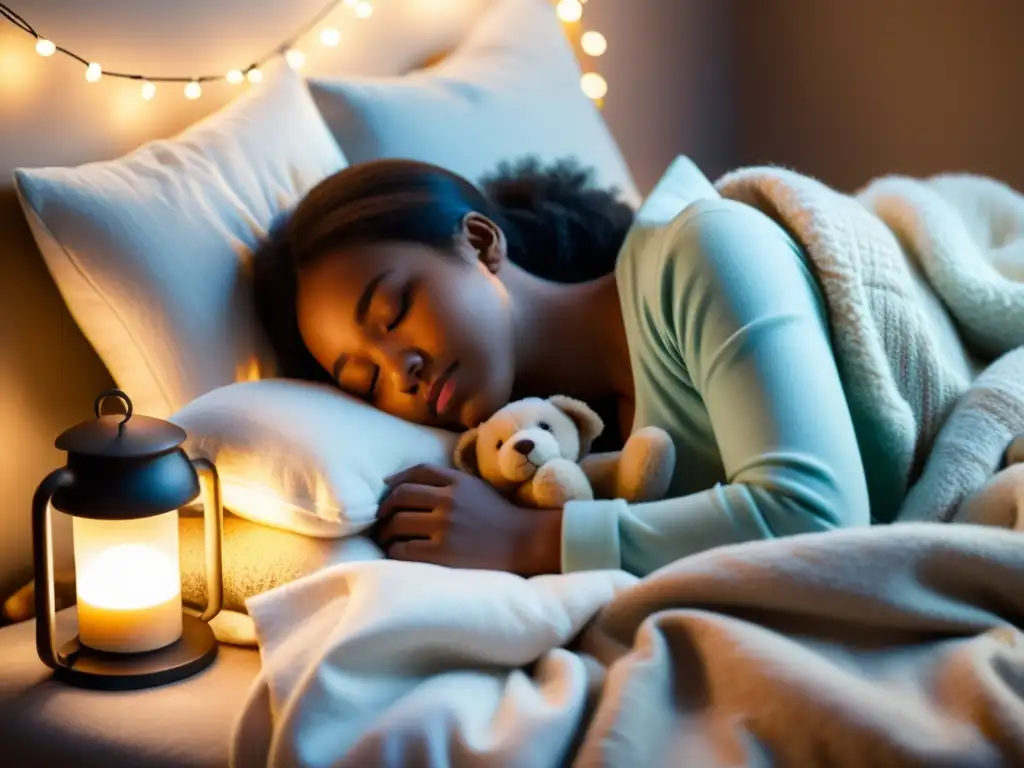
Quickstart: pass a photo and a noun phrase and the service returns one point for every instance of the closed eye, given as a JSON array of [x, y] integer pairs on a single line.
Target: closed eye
[[405, 301]]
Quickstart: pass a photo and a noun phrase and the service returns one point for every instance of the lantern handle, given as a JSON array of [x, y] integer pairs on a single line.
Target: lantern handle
[[42, 551], [213, 526], [121, 395]]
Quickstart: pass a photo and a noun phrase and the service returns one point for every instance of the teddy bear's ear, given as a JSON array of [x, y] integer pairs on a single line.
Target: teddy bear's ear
[[465, 452], [587, 422]]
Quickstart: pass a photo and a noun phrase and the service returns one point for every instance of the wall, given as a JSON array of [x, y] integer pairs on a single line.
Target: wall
[[846, 91], [50, 116]]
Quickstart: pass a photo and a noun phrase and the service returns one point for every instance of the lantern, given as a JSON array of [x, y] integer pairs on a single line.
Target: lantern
[[126, 477]]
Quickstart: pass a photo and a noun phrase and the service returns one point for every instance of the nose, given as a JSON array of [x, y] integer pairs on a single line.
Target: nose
[[407, 368], [524, 447]]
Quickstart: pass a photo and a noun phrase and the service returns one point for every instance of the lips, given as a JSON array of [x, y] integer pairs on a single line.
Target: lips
[[443, 390]]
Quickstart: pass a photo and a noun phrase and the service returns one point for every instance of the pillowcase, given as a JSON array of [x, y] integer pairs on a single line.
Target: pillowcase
[[304, 457], [511, 89], [149, 251]]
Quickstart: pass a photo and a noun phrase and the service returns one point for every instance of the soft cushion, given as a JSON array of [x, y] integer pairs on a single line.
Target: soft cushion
[[512, 89], [149, 251], [304, 457]]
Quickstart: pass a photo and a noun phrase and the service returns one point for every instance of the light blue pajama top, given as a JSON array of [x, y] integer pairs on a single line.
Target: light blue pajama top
[[731, 355]]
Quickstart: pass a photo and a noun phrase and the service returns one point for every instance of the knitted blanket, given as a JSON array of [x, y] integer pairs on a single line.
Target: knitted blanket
[[924, 281]]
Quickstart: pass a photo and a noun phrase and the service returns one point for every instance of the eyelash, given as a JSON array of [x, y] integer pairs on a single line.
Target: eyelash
[[403, 310]]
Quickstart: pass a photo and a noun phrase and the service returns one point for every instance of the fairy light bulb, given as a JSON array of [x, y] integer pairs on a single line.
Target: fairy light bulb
[[254, 75], [93, 72], [295, 58], [594, 86], [45, 47], [569, 10], [330, 37], [235, 76], [364, 10], [148, 91], [593, 43], [193, 90]]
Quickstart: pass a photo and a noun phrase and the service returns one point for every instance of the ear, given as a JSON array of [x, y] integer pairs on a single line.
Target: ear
[[465, 452], [484, 239], [587, 422]]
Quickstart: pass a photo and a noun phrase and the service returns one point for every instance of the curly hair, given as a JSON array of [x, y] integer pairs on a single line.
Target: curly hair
[[559, 225]]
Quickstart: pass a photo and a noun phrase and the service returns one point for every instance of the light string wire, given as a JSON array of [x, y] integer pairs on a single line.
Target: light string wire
[[569, 11]]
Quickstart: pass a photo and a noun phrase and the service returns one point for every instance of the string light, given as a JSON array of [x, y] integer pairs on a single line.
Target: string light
[[595, 86], [591, 43], [295, 58], [569, 10]]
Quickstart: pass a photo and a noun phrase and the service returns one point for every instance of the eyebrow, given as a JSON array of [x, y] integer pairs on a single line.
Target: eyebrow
[[363, 306]]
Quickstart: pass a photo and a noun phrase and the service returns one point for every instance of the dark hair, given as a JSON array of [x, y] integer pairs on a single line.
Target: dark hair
[[559, 225]]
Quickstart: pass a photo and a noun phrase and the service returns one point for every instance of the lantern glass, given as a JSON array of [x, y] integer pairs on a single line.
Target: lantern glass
[[128, 583]]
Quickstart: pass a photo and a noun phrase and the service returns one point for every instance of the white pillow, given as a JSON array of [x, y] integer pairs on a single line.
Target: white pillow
[[304, 457], [511, 89], [150, 250]]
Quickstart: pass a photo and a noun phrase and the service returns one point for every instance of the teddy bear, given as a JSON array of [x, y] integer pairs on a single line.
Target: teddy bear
[[535, 451]]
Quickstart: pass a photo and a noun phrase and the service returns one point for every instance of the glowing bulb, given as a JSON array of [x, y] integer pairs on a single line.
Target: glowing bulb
[[148, 91], [593, 43], [364, 10], [45, 47], [594, 86], [351, 3], [569, 10], [255, 75], [235, 76], [295, 58], [193, 91], [93, 72], [330, 37]]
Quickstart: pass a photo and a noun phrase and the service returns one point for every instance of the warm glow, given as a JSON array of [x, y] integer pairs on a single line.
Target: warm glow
[[128, 582], [594, 86], [193, 91], [235, 76], [255, 75], [330, 37], [45, 47], [129, 576], [93, 72], [364, 10], [593, 43], [148, 91], [295, 58], [569, 10], [351, 3]]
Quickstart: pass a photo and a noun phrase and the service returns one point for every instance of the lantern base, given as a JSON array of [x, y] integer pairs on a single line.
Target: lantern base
[[193, 652]]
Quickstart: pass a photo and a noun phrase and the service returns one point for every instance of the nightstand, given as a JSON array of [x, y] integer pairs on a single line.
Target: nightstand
[[44, 722]]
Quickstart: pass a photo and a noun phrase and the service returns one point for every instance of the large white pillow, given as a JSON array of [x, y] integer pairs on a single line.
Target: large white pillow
[[304, 457], [511, 89], [149, 251]]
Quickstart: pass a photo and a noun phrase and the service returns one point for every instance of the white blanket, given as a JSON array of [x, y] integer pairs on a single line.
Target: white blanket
[[887, 646]]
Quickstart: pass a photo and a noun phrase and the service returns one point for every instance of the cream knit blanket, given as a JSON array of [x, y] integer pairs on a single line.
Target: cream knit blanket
[[924, 281]]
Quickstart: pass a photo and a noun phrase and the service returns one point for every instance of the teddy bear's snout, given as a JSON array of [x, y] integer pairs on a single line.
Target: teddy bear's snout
[[525, 452]]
